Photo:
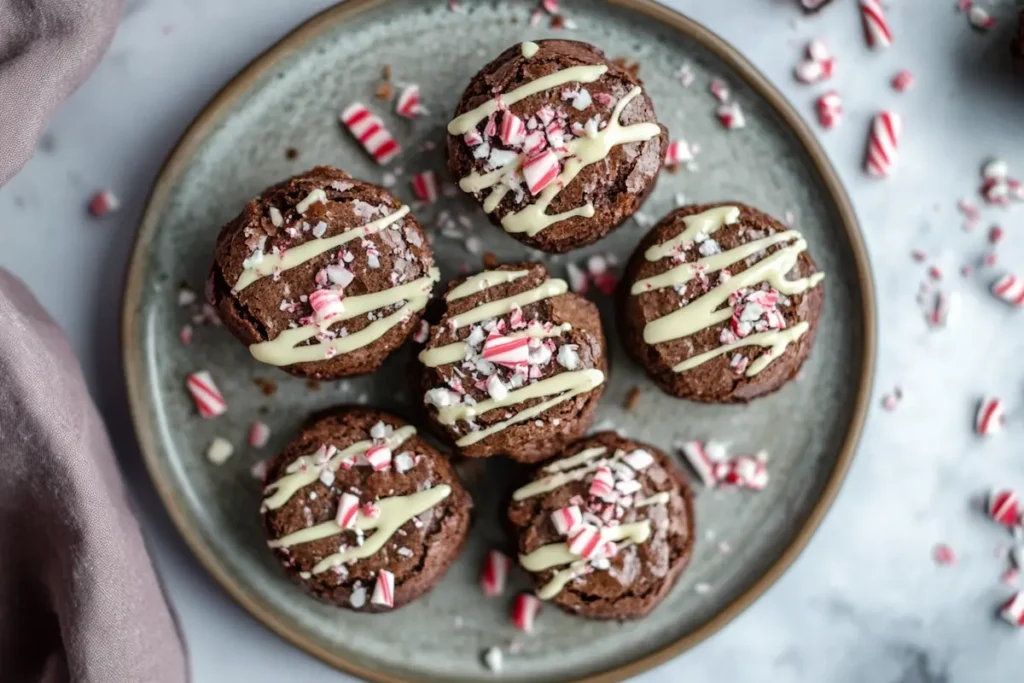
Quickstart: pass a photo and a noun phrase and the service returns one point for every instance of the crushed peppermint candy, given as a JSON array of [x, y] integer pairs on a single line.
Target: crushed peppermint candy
[[259, 434], [103, 203], [494, 573], [819, 64]]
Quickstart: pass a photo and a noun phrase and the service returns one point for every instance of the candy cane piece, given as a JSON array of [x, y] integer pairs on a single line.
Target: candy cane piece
[[371, 133], [883, 143], [524, 611], [990, 416], [206, 395], [494, 573], [1003, 508], [384, 589], [876, 27], [425, 186], [1010, 289]]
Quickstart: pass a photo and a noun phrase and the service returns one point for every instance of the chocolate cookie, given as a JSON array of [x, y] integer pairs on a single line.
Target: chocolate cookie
[[515, 366], [362, 512], [322, 274], [558, 144], [720, 303], [606, 529]]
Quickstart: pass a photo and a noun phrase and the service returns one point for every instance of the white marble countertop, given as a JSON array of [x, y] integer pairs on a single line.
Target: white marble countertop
[[865, 602]]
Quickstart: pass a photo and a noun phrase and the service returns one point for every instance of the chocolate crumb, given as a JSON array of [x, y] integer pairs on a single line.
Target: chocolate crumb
[[632, 398], [557, 21], [633, 67], [385, 72], [291, 154], [489, 260], [385, 92], [267, 386], [313, 385]]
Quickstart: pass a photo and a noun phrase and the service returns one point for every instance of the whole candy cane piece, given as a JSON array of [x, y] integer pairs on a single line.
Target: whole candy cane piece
[[989, 419], [1010, 289], [371, 133], [876, 27], [883, 143]]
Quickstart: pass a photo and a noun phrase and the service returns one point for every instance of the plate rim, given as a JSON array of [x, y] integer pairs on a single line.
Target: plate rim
[[206, 120]]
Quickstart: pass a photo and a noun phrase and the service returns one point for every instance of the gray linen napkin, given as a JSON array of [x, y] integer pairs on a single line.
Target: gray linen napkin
[[79, 600]]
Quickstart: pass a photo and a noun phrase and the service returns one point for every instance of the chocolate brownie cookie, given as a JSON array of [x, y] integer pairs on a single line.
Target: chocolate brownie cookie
[[322, 274], [720, 303], [606, 529], [362, 512], [558, 144], [515, 366]]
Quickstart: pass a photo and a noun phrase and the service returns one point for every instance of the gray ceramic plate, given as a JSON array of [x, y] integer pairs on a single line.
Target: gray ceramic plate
[[290, 98]]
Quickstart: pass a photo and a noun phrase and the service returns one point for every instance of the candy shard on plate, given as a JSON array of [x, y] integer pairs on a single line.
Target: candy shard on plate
[[1010, 289], [494, 574], [205, 394], [259, 434], [1012, 610], [425, 186], [1003, 507], [408, 103], [104, 202], [219, 450], [524, 611], [369, 130]]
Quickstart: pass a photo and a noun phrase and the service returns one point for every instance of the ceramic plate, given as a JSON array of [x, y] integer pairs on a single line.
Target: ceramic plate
[[290, 98]]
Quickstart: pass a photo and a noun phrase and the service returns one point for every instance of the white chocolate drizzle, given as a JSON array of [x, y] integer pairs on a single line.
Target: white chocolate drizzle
[[529, 49], [560, 387], [305, 470], [707, 310], [485, 280], [580, 153], [299, 254], [394, 513], [464, 123], [560, 475], [557, 554], [285, 348]]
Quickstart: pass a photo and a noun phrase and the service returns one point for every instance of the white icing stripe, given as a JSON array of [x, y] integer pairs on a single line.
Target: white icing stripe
[[394, 512], [588, 380], [565, 474], [705, 311], [305, 470], [285, 350], [563, 381], [557, 554], [581, 152], [493, 309], [482, 281], [685, 272], [456, 351], [529, 49], [657, 499], [301, 253], [706, 222], [581, 74]]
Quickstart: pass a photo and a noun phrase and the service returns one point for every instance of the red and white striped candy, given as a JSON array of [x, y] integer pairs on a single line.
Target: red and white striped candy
[[103, 202], [980, 19], [206, 395], [371, 133], [259, 434], [567, 519], [507, 351], [540, 170], [348, 510], [677, 152], [989, 419], [698, 458], [494, 573], [830, 109], [876, 27], [731, 116], [883, 143], [1002, 507], [408, 102], [524, 611], [585, 541], [384, 589], [550, 6], [513, 130], [425, 186], [1010, 289], [326, 304], [603, 483], [1012, 610], [379, 457]]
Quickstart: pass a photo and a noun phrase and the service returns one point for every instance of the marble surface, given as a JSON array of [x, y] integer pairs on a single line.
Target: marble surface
[[865, 602]]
